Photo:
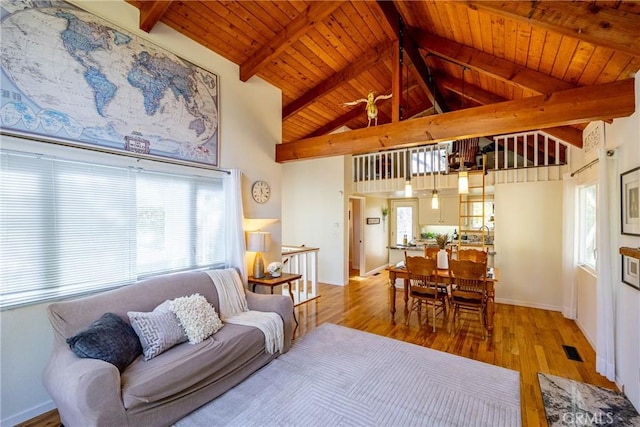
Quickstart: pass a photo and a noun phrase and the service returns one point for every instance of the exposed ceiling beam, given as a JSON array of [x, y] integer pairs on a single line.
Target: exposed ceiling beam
[[393, 18], [151, 12], [597, 23], [568, 134], [572, 106], [315, 12], [364, 63], [498, 68]]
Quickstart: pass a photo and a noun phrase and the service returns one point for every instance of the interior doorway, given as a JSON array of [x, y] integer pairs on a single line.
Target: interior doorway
[[356, 236]]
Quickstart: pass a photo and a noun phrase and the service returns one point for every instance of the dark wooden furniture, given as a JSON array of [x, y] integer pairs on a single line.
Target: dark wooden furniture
[[272, 282]]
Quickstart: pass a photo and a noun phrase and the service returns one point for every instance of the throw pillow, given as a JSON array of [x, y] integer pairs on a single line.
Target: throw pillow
[[158, 330], [198, 318], [109, 338]]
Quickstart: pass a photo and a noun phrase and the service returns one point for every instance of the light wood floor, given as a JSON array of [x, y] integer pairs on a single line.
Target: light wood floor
[[525, 339]]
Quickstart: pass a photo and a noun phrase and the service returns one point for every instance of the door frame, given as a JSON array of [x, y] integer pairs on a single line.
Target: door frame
[[356, 233]]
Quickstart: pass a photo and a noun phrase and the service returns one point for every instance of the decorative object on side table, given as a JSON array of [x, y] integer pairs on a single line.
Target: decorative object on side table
[[630, 202], [443, 260], [275, 269]]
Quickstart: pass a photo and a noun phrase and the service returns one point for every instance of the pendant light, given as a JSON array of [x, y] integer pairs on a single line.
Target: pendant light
[[408, 191], [435, 203]]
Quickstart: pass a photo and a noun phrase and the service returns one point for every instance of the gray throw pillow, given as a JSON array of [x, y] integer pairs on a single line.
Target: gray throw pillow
[[158, 330], [109, 338]]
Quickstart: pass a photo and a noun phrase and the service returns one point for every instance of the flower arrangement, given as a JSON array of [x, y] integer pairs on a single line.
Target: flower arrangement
[[274, 268], [385, 211], [441, 240]]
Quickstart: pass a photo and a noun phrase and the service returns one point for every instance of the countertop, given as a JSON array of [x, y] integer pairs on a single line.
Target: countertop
[[407, 247]]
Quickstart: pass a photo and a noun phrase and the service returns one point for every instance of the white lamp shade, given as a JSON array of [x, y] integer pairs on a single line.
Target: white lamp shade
[[408, 192], [435, 203], [463, 182], [257, 241]]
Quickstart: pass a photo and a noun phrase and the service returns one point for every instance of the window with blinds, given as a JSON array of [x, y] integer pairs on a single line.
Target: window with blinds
[[69, 228]]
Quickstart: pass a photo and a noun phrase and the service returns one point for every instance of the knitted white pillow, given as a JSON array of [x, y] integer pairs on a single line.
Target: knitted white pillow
[[197, 317]]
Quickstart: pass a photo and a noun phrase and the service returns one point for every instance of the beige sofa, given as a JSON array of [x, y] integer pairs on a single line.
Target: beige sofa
[[160, 391]]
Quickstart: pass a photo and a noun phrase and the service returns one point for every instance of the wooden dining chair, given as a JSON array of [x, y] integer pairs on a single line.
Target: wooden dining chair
[[431, 252], [425, 286], [469, 291], [472, 255]]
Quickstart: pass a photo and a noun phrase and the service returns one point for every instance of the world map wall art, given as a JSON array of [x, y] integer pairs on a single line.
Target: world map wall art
[[69, 76]]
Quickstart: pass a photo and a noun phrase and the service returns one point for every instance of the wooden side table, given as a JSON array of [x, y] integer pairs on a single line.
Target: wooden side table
[[272, 282]]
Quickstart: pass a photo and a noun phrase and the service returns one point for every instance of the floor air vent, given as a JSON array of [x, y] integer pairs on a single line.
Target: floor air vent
[[572, 353]]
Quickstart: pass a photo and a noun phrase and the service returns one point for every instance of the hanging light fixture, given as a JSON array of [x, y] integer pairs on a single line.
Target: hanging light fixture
[[463, 182], [408, 191], [435, 203]]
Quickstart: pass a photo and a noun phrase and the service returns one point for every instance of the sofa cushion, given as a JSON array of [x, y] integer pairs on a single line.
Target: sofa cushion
[[197, 317], [158, 330], [109, 338], [186, 368]]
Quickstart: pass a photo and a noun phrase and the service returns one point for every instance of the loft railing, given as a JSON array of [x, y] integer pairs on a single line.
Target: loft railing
[[301, 260], [389, 170]]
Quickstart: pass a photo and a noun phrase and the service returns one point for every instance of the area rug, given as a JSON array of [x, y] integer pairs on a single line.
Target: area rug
[[337, 376], [572, 403]]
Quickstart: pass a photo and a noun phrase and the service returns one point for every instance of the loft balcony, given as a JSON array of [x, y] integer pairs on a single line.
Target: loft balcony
[[521, 157]]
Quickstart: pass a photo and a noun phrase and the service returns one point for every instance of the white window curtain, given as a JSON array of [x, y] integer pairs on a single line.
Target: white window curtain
[[569, 248], [234, 232], [607, 226]]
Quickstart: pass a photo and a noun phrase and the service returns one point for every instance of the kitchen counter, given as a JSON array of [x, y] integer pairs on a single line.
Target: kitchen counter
[[407, 247]]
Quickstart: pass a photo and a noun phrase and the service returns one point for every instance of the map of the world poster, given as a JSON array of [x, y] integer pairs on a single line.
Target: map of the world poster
[[70, 76]]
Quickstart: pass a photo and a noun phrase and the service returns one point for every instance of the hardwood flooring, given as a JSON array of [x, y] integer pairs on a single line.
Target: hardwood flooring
[[525, 339]]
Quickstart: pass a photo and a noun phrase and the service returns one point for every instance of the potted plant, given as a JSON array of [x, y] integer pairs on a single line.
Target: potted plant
[[443, 260], [385, 212]]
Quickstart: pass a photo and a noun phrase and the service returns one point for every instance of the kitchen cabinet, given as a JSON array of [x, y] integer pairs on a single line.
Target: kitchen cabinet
[[446, 214]]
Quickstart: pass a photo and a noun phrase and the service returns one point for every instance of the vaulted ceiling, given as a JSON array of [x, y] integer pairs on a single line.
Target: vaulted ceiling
[[465, 67]]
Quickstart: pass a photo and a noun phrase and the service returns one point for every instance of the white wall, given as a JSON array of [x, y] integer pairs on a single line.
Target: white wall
[[250, 126], [528, 242], [625, 135], [375, 236], [314, 213]]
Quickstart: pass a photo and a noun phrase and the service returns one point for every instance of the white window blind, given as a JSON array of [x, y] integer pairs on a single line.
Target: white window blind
[[70, 228]]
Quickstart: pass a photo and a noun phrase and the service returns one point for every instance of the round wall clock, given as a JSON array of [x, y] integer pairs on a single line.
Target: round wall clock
[[260, 191]]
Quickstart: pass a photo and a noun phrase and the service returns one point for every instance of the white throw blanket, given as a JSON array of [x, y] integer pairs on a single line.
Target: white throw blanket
[[234, 309]]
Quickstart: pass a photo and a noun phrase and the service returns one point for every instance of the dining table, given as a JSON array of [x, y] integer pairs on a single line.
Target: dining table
[[400, 272]]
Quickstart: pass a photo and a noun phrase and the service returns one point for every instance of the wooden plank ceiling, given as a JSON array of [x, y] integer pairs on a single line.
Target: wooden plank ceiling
[[436, 57]]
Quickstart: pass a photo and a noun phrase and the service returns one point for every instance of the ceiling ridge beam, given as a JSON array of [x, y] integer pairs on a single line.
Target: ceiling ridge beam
[[371, 58], [315, 12], [568, 134], [393, 16], [594, 23], [571, 106], [151, 12], [501, 69]]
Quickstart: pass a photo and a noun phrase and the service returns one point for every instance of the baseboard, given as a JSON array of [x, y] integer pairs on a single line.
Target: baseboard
[[529, 304], [28, 414], [376, 270]]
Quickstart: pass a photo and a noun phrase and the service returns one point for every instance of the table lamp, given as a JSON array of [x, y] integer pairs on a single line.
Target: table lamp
[[257, 242]]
